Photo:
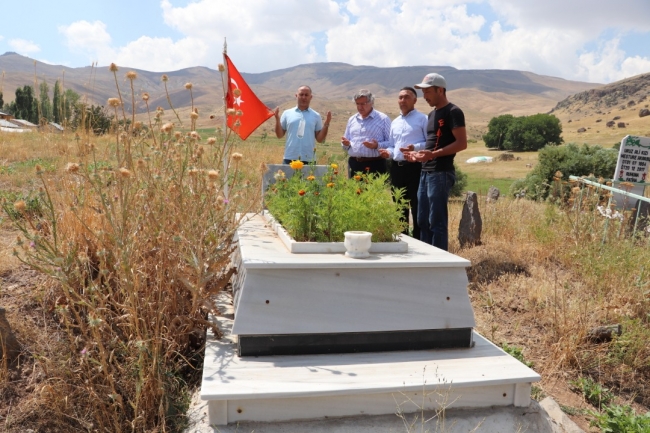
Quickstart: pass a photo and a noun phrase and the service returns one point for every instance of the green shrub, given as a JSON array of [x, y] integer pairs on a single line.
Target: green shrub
[[571, 160], [461, 183]]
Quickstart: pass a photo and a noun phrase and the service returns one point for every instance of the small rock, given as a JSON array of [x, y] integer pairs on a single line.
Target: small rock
[[493, 194]]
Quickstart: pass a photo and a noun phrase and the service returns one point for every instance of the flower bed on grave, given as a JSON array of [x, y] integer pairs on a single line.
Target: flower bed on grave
[[309, 209]]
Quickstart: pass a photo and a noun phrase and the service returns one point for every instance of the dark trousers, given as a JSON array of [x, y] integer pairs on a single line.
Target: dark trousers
[[406, 175], [433, 215], [366, 167]]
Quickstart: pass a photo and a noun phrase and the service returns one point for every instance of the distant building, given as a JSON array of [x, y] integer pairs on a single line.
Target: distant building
[[6, 126], [5, 116], [24, 123]]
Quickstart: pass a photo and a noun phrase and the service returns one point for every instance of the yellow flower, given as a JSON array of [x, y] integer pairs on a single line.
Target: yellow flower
[[330, 185], [334, 166], [297, 165], [311, 177]]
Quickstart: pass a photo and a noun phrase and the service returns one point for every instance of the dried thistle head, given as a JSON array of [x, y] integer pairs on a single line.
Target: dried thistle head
[[112, 67], [188, 86], [137, 125], [164, 78], [167, 127], [240, 113], [237, 156], [236, 92], [125, 172], [194, 116], [221, 67], [231, 112], [20, 206], [212, 140], [177, 135], [113, 102], [145, 96], [213, 175], [72, 167], [558, 174], [131, 75]]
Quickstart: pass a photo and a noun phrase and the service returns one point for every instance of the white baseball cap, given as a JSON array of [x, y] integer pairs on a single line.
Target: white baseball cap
[[431, 80]]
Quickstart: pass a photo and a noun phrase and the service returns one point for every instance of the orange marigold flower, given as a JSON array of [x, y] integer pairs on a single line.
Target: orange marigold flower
[[358, 191], [297, 165], [311, 177], [330, 185], [301, 192], [357, 177]]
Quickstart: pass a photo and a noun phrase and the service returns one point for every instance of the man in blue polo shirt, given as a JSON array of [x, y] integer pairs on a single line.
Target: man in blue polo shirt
[[302, 126]]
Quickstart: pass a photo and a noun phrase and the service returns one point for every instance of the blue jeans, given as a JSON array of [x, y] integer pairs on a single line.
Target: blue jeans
[[433, 218]]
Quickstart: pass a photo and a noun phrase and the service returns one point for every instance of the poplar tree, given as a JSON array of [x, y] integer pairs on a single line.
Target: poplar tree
[[57, 105]]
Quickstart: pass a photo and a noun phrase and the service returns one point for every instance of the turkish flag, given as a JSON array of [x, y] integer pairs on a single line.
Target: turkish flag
[[249, 112]]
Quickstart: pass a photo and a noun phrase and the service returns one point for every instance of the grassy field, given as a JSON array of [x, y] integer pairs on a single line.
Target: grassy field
[[117, 245]]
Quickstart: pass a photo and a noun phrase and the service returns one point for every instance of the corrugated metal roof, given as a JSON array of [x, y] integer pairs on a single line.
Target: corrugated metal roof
[[23, 122], [7, 124], [2, 113], [57, 126]]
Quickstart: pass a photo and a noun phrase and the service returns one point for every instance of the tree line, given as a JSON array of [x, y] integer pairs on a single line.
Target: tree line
[[65, 108]]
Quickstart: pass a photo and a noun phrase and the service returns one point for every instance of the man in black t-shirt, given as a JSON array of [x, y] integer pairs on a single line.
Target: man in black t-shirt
[[446, 136]]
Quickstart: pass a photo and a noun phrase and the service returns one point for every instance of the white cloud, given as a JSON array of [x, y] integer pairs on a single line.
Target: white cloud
[[543, 37], [90, 39], [578, 39], [23, 46], [261, 35]]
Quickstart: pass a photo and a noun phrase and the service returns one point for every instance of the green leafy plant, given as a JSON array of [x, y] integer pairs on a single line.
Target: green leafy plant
[[323, 209], [621, 419], [517, 354], [594, 393]]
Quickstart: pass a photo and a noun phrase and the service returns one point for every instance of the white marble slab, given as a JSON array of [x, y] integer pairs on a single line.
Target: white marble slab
[[277, 292], [310, 386]]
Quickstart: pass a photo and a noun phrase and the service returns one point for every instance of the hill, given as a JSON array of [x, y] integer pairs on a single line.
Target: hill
[[606, 114], [484, 91]]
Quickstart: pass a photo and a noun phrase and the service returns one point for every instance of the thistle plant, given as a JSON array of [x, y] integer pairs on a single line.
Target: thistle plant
[[135, 251]]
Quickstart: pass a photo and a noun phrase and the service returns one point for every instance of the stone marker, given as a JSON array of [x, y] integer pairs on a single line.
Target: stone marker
[[471, 225], [9, 346], [493, 194]]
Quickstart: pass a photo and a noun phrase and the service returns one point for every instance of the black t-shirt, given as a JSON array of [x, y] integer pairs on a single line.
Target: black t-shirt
[[439, 135]]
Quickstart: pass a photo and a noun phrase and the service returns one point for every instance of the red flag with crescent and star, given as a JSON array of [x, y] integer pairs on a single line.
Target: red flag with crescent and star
[[249, 112]]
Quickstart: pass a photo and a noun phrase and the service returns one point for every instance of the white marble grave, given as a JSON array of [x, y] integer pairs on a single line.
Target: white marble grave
[[323, 335]]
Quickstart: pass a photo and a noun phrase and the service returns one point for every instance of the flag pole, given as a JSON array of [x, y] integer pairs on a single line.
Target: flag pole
[[226, 156]]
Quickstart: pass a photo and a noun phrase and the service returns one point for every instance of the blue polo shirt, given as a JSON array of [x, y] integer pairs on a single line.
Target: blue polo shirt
[[301, 148]]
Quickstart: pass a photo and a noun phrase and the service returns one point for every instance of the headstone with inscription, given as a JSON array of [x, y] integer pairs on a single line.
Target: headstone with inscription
[[632, 166]]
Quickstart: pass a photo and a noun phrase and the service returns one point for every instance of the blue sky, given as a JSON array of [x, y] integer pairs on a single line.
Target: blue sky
[[586, 40]]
